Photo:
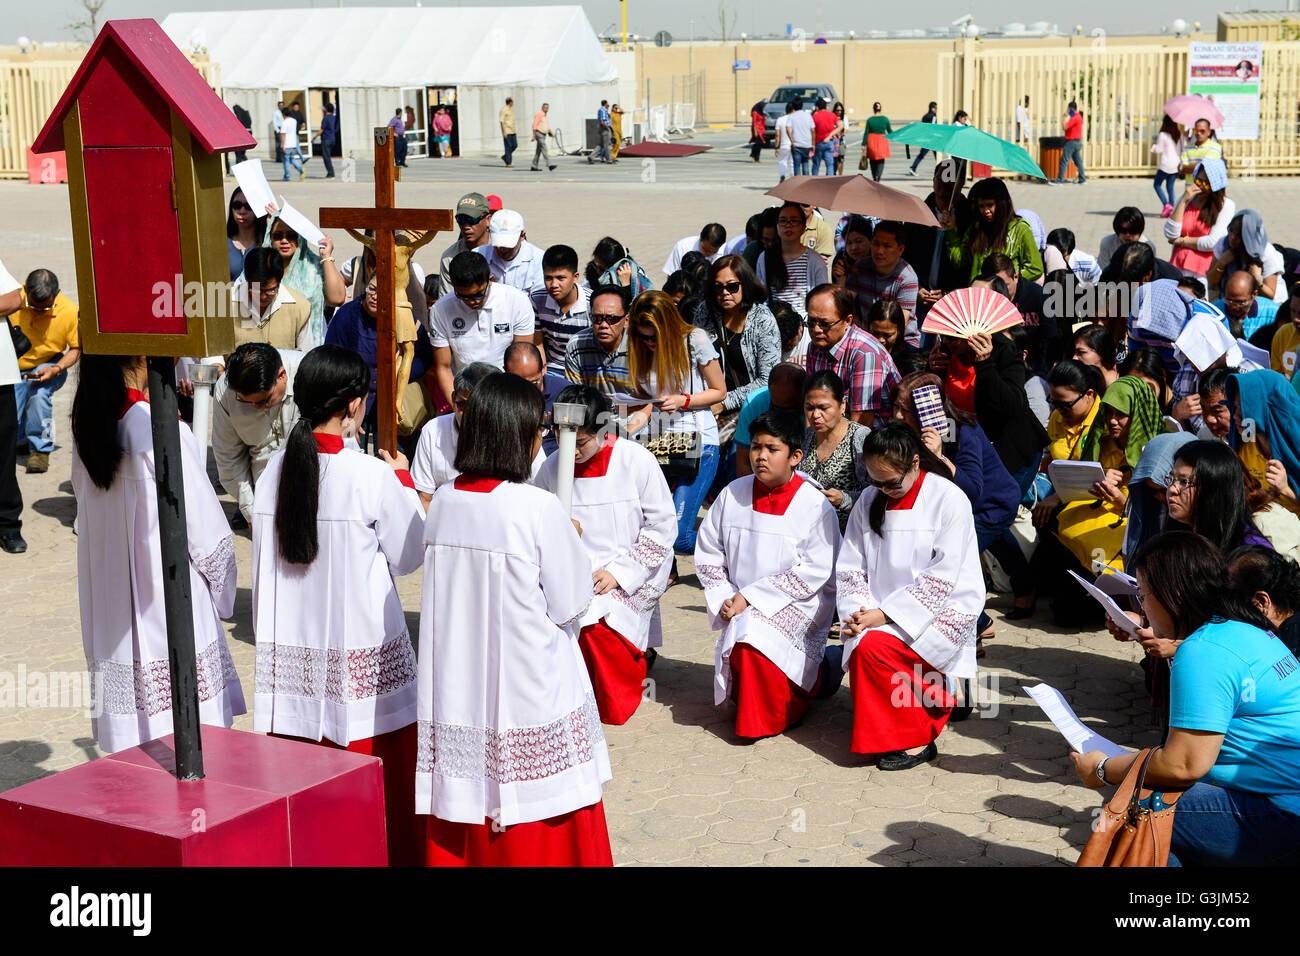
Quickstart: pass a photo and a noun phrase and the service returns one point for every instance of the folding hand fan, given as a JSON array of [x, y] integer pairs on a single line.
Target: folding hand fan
[[965, 312]]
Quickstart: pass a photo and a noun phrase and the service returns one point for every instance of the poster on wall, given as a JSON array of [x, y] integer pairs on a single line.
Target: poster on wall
[[1228, 74]]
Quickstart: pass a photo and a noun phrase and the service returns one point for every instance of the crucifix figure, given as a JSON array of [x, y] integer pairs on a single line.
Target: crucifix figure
[[398, 233]]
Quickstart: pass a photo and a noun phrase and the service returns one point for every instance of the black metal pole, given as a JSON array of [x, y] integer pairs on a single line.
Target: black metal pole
[[170, 484]]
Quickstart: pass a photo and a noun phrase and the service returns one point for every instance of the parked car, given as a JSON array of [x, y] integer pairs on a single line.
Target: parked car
[[775, 109]]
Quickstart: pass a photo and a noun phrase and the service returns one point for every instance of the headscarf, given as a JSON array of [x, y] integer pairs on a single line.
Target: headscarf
[[1136, 399], [1253, 236], [1160, 309], [1272, 405], [1203, 342], [305, 274], [1216, 172], [1144, 511]]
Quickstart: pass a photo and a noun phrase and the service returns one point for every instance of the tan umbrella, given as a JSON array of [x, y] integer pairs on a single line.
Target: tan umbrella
[[855, 194]]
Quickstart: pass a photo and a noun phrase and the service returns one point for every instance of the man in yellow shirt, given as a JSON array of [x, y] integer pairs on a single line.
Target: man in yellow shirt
[[49, 320], [508, 137], [1286, 340]]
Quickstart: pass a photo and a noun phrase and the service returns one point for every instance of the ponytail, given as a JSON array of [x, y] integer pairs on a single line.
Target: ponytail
[[96, 408], [328, 380]]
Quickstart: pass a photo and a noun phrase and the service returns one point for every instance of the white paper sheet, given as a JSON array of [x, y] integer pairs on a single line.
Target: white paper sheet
[[1073, 480], [253, 184], [304, 227], [1254, 353], [1173, 425], [622, 398], [1079, 736], [1113, 610], [1117, 583]]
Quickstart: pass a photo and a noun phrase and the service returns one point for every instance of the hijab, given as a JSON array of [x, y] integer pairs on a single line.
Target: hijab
[[1271, 403], [306, 274], [1136, 399], [1145, 512], [1253, 237]]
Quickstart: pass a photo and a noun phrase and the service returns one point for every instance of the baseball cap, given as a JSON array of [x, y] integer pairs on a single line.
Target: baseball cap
[[472, 204], [507, 226], [494, 202]]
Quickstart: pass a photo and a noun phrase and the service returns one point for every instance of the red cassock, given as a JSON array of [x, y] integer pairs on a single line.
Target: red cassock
[[403, 827], [617, 671], [767, 702], [899, 701], [576, 838]]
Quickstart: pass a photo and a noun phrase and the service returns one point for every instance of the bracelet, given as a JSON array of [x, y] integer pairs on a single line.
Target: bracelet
[[327, 259], [688, 400]]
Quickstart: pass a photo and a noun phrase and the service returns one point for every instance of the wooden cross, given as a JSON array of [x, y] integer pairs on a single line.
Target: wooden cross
[[385, 219]]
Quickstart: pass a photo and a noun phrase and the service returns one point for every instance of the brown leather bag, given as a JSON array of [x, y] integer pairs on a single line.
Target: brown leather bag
[[1128, 833]]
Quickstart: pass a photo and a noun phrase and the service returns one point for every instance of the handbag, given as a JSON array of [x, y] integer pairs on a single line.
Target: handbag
[[864, 163], [22, 344], [1135, 826], [678, 453], [413, 409]]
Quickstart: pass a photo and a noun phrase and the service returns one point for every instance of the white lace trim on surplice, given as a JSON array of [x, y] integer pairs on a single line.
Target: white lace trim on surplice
[[517, 755], [119, 688], [333, 674]]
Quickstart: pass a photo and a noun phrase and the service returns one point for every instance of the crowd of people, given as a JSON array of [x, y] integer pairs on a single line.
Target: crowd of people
[[771, 412]]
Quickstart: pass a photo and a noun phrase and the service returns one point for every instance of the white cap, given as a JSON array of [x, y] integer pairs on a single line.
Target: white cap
[[507, 227]]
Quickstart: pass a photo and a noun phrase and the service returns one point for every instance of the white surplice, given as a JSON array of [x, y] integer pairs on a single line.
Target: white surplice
[[508, 724], [334, 656], [784, 566], [120, 583], [629, 524], [435, 454], [923, 572]]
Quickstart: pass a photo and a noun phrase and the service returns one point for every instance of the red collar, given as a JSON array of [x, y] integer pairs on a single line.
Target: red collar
[[774, 501], [476, 483], [597, 466], [905, 503], [328, 444], [133, 395]]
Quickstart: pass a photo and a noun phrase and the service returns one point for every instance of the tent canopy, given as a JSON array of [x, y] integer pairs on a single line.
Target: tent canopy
[[397, 46]]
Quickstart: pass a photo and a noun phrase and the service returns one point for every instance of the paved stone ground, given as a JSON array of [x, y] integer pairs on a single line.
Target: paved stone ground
[[685, 790]]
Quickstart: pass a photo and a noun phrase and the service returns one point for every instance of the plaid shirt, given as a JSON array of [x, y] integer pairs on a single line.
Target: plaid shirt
[[868, 370], [587, 363], [898, 286]]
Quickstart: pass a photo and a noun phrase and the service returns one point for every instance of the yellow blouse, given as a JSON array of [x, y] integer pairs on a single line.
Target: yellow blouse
[[1065, 442], [1257, 466]]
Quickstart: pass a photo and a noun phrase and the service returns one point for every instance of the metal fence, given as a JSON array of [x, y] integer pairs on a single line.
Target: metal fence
[[1121, 91], [670, 105]]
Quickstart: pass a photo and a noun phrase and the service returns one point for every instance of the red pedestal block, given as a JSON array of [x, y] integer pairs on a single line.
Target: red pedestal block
[[264, 802]]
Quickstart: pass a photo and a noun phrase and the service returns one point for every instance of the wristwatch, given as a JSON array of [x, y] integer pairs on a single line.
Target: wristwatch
[[1101, 769]]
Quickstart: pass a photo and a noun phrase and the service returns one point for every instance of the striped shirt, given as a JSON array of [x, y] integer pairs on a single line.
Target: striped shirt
[[557, 326], [804, 273], [867, 369], [587, 363], [899, 286]]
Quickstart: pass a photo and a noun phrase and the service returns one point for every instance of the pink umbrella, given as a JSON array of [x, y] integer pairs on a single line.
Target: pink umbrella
[[1189, 108]]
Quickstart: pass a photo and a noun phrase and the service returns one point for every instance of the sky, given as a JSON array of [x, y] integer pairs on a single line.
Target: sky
[[49, 20]]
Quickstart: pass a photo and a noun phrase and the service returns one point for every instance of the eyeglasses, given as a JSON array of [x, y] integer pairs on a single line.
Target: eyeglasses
[[730, 288], [599, 319], [790, 222], [817, 325], [1179, 482], [1064, 406], [285, 236], [240, 207], [463, 220], [262, 402]]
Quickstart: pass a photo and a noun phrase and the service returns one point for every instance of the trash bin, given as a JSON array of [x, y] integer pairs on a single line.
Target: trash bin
[[1049, 157]]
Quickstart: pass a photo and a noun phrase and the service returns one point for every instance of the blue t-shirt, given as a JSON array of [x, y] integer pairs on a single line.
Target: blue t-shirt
[[1233, 679], [756, 404], [354, 329], [1262, 313]]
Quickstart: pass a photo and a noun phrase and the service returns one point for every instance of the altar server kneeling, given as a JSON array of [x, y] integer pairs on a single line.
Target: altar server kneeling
[[512, 756], [910, 589], [629, 524], [331, 528], [766, 558]]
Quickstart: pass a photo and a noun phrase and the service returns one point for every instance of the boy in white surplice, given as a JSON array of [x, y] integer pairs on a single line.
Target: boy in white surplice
[[766, 558]]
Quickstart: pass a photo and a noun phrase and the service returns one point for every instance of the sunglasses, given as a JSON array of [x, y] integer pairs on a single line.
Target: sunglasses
[[285, 236], [647, 336], [1064, 406], [892, 485], [598, 319], [240, 207], [820, 326], [729, 287], [463, 220], [471, 296]]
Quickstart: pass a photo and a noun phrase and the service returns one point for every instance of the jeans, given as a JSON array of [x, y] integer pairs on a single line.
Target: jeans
[[1166, 180], [326, 145], [11, 496], [919, 156], [292, 156], [541, 155], [35, 410], [399, 151], [688, 496], [1073, 150], [825, 153], [1214, 826], [511, 144], [800, 155]]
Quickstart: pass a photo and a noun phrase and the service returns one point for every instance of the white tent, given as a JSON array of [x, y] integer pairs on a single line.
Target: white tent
[[370, 60]]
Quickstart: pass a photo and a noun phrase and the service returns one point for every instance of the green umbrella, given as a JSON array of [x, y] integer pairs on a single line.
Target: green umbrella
[[967, 142]]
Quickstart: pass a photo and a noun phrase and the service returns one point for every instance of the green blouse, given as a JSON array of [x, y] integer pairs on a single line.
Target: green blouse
[[1020, 248], [876, 124]]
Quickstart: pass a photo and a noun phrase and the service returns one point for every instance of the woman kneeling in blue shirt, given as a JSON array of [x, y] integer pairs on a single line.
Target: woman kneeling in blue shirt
[[1234, 713]]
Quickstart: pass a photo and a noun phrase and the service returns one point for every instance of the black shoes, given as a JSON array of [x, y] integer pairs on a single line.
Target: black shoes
[[1019, 613], [901, 760], [13, 542]]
